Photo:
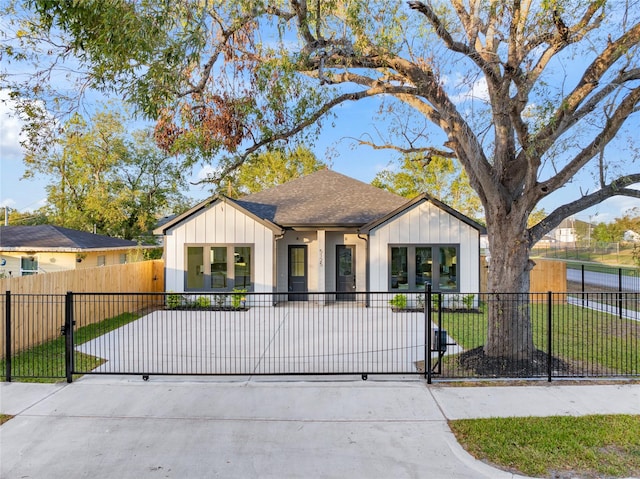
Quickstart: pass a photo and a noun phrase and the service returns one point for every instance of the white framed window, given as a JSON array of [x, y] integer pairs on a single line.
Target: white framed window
[[102, 260], [28, 265], [124, 258], [411, 267], [218, 267]]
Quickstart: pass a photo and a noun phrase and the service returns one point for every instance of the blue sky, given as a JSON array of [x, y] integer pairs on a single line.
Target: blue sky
[[334, 146]]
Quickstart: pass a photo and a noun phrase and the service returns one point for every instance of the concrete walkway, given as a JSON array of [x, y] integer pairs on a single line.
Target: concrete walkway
[[110, 426]]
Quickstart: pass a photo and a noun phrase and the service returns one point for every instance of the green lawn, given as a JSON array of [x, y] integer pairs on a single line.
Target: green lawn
[[604, 342], [46, 362], [607, 257], [586, 447], [4, 418]]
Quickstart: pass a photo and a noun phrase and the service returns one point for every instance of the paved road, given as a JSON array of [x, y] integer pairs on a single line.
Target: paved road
[[592, 278]]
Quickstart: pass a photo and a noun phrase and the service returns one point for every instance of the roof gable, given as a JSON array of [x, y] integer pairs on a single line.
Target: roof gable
[[409, 204], [323, 198], [208, 203], [50, 237]]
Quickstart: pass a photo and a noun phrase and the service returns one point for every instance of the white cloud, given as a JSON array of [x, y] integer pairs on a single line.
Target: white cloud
[[8, 202], [477, 90], [205, 172], [10, 126]]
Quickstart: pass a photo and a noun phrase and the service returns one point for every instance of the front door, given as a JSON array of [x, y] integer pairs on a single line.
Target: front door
[[345, 272], [298, 286]]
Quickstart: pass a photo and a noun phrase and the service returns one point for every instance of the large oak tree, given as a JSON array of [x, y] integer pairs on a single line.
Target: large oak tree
[[526, 95]]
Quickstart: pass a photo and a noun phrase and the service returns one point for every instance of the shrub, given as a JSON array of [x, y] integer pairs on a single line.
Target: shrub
[[202, 302], [468, 301], [238, 297], [174, 300], [399, 301]]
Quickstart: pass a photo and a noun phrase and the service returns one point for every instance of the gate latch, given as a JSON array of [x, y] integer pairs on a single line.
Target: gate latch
[[63, 329]]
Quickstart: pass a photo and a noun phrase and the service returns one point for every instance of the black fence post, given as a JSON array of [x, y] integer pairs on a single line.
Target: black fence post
[[620, 293], [582, 283], [7, 336], [427, 336], [68, 331], [549, 335]]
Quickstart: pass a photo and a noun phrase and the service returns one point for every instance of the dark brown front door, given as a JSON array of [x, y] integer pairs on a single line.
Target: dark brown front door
[[345, 272]]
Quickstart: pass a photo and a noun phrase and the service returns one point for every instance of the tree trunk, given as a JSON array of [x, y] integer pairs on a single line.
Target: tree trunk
[[510, 335]]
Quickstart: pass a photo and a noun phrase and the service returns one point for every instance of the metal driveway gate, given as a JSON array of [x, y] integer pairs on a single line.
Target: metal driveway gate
[[240, 334]]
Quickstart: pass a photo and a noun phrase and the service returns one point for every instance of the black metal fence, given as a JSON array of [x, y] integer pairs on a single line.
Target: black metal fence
[[598, 277], [435, 335]]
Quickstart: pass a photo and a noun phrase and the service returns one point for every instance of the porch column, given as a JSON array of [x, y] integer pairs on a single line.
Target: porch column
[[322, 263]]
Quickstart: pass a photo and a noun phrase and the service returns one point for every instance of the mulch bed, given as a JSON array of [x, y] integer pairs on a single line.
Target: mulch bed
[[490, 366], [207, 308]]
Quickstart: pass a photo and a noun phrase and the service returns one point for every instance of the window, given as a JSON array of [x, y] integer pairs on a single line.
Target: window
[[218, 256], [123, 258], [28, 265], [102, 260], [414, 266], [242, 267], [218, 267]]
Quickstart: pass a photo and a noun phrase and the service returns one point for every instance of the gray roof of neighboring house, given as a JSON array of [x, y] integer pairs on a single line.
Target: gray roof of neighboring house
[[56, 238], [323, 198]]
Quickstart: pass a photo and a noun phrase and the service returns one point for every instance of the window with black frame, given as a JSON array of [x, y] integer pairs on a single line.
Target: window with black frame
[[218, 267], [412, 267]]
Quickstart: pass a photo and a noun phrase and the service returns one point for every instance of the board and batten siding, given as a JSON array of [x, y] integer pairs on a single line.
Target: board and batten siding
[[425, 224], [220, 224]]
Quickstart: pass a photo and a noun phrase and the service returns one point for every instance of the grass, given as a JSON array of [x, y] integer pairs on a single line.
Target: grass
[[558, 447], [4, 418], [601, 342], [46, 362], [623, 256]]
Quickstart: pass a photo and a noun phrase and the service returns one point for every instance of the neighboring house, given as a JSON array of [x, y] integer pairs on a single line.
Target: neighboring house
[[546, 241], [324, 232], [631, 236], [28, 250], [565, 232]]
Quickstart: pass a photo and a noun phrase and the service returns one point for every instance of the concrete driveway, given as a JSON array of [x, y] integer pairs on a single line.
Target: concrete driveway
[[122, 427], [288, 339]]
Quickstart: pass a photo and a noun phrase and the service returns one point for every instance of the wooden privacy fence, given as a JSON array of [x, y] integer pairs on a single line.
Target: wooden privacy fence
[[140, 277], [547, 275], [43, 309]]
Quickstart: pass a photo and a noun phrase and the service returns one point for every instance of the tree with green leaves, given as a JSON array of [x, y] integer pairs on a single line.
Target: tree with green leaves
[[30, 218], [439, 177], [525, 95], [270, 168], [106, 180]]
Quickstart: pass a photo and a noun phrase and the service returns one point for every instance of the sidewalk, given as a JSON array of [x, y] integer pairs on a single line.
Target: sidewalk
[[105, 427]]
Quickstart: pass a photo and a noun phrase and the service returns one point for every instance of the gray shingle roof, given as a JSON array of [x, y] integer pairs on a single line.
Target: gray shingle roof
[[49, 237], [323, 198]]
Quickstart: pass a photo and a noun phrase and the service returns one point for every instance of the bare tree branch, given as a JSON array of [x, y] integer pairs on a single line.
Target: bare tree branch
[[618, 187], [429, 151], [614, 123]]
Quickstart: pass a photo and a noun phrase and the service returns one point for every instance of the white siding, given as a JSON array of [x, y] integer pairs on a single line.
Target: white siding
[[321, 259], [220, 223], [425, 223]]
